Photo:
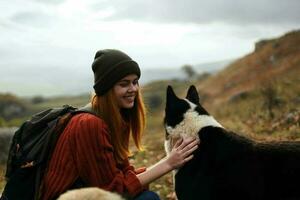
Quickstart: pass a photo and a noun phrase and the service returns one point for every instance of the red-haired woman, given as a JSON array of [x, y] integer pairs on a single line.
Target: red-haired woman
[[93, 150]]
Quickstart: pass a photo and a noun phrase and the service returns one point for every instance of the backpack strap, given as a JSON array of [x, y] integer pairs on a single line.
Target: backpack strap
[[85, 109]]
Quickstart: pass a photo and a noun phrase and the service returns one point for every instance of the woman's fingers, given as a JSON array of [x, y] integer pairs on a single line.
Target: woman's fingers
[[191, 145], [182, 151], [190, 151], [188, 158], [188, 143], [178, 143]]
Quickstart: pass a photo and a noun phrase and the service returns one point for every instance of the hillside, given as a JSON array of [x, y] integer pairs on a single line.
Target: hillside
[[259, 94], [275, 59]]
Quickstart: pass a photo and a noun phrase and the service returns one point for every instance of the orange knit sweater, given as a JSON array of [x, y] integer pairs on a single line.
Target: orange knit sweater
[[84, 151]]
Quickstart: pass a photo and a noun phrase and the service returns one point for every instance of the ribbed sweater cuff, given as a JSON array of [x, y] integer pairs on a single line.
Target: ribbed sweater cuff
[[135, 186]]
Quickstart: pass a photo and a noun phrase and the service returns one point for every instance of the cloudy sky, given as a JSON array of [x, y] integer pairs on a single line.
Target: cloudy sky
[[42, 39]]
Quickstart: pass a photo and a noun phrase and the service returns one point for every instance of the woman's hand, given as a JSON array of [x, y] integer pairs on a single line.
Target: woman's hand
[[182, 152]]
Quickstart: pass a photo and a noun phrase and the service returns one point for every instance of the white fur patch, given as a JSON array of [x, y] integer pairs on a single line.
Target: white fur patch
[[191, 124], [91, 193]]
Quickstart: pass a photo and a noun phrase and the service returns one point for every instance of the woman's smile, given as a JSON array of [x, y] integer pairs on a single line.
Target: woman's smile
[[126, 90]]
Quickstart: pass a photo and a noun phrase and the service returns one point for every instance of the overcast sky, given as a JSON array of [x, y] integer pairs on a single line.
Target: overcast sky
[[37, 36]]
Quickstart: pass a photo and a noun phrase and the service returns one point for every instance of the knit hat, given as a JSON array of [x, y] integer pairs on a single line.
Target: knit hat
[[110, 66]]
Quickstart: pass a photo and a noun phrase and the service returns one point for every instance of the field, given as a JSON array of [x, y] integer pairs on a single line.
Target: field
[[245, 115]]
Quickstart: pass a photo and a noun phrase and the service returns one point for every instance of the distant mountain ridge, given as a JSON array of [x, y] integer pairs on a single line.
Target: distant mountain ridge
[[32, 82], [273, 59], [149, 75]]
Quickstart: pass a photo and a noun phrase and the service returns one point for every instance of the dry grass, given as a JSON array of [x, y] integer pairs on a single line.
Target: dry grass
[[2, 179], [273, 61]]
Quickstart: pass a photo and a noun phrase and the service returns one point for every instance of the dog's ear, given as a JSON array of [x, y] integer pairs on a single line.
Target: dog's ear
[[192, 95], [171, 96]]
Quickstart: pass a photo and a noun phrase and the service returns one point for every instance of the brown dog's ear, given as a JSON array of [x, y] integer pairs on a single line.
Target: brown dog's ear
[[192, 95]]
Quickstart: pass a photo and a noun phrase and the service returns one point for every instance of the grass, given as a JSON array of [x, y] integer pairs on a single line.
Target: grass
[[2, 179]]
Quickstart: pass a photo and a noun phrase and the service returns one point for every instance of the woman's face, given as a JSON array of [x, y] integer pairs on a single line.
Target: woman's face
[[126, 90]]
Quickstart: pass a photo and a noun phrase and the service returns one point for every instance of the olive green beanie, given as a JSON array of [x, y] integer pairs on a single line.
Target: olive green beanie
[[110, 66]]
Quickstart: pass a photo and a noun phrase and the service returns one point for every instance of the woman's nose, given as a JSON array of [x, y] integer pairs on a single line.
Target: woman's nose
[[133, 87]]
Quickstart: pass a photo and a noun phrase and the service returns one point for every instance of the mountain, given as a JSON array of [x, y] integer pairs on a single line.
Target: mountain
[[213, 67], [52, 81], [273, 60], [149, 75]]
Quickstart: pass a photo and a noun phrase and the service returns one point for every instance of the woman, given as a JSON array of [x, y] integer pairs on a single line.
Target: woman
[[93, 150]]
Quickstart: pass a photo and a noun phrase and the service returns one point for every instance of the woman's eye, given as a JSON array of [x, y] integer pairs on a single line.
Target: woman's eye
[[123, 84], [136, 82]]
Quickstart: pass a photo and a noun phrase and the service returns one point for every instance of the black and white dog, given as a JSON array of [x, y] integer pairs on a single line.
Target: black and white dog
[[226, 165]]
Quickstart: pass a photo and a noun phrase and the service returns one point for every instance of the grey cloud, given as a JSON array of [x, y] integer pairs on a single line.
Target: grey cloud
[[53, 2], [201, 12], [4, 25], [32, 18]]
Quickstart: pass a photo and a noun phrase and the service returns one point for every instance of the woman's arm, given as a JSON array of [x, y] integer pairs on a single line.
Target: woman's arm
[[180, 154]]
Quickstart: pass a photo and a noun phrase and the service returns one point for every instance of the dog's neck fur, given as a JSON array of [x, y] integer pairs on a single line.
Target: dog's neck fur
[[191, 124]]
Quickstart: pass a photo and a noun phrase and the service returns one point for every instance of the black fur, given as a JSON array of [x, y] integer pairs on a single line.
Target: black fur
[[174, 110], [229, 166], [192, 95]]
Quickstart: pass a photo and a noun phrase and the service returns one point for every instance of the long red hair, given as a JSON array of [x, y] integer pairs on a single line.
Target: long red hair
[[122, 123]]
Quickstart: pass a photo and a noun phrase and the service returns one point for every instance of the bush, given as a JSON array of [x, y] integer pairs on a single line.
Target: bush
[[154, 101], [6, 135], [271, 98], [37, 100], [11, 107]]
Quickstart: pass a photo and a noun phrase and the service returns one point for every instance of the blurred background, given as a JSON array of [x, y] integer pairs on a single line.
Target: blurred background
[[243, 57]]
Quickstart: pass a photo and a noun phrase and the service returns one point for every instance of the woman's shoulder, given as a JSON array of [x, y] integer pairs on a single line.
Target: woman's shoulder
[[86, 116], [86, 127], [88, 119]]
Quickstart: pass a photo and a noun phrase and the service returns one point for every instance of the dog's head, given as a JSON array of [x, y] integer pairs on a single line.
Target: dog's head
[[185, 117]]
